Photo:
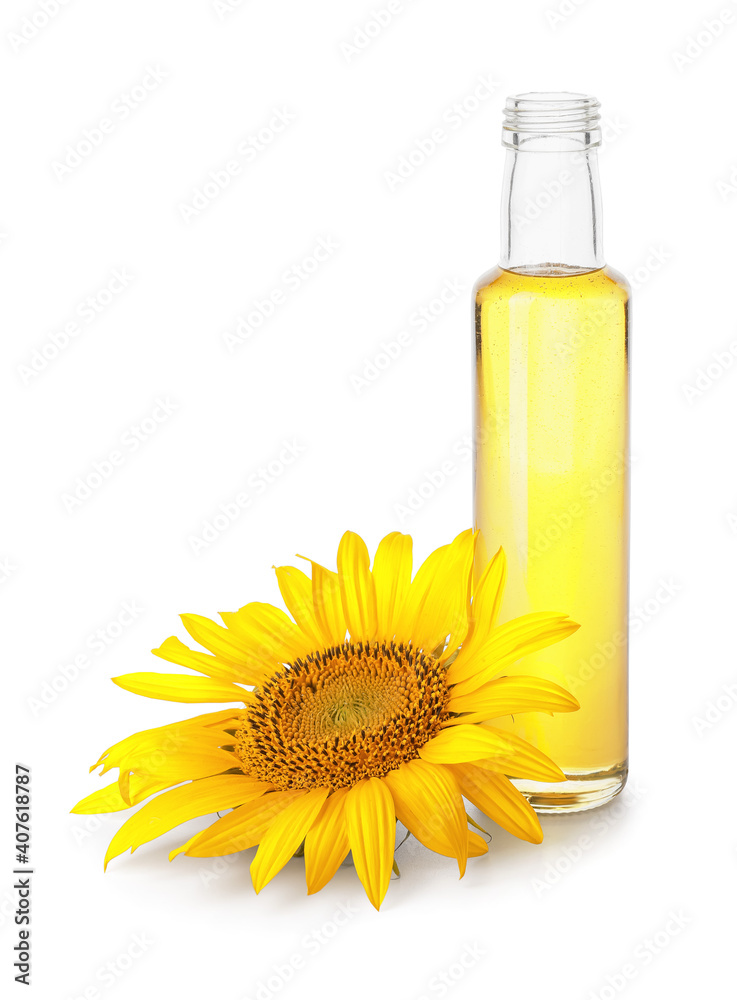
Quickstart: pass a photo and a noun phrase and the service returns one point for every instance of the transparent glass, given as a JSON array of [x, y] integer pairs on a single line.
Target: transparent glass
[[551, 438]]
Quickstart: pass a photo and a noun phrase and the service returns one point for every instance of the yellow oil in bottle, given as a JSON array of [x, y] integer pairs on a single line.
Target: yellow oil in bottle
[[552, 487]]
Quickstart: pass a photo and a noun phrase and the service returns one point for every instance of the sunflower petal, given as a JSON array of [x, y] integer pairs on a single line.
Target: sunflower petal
[[392, 575], [430, 573], [477, 846], [371, 824], [497, 797], [429, 803], [477, 826], [326, 842], [188, 765], [109, 799], [269, 634], [179, 805], [159, 770], [463, 743], [523, 761], [487, 602], [507, 644], [140, 750], [180, 687], [438, 598], [285, 835], [296, 591], [461, 596], [240, 829], [357, 589], [173, 650], [509, 696], [225, 644], [328, 605]]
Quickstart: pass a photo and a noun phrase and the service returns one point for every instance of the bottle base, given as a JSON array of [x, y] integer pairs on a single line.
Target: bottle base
[[582, 790]]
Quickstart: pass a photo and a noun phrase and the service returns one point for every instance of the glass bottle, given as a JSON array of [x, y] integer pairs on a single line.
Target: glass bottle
[[551, 437]]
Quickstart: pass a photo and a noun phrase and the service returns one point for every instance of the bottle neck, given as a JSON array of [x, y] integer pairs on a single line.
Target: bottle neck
[[551, 204], [551, 212]]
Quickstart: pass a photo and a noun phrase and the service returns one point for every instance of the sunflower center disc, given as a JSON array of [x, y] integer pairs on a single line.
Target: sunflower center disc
[[354, 711]]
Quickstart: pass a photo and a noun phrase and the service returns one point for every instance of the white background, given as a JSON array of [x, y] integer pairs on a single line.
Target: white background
[[555, 920]]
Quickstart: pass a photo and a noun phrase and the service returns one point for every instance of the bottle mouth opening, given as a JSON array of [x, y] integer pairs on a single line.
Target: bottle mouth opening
[[536, 116]]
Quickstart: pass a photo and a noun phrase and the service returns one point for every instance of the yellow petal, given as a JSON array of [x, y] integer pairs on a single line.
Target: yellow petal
[[109, 799], [496, 796], [285, 835], [240, 829], [477, 846], [460, 597], [459, 744], [174, 651], [487, 602], [326, 842], [392, 574], [506, 644], [166, 764], [180, 687], [357, 587], [221, 641], [509, 696], [296, 591], [523, 761], [328, 605], [181, 756], [429, 803], [431, 574], [371, 824], [438, 598], [187, 765], [179, 805], [141, 750], [270, 635]]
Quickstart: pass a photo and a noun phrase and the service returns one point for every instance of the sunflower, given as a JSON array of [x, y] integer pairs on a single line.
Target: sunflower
[[371, 703]]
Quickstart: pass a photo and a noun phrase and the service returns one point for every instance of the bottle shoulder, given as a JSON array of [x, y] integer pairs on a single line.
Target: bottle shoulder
[[488, 278], [617, 278], [604, 282]]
